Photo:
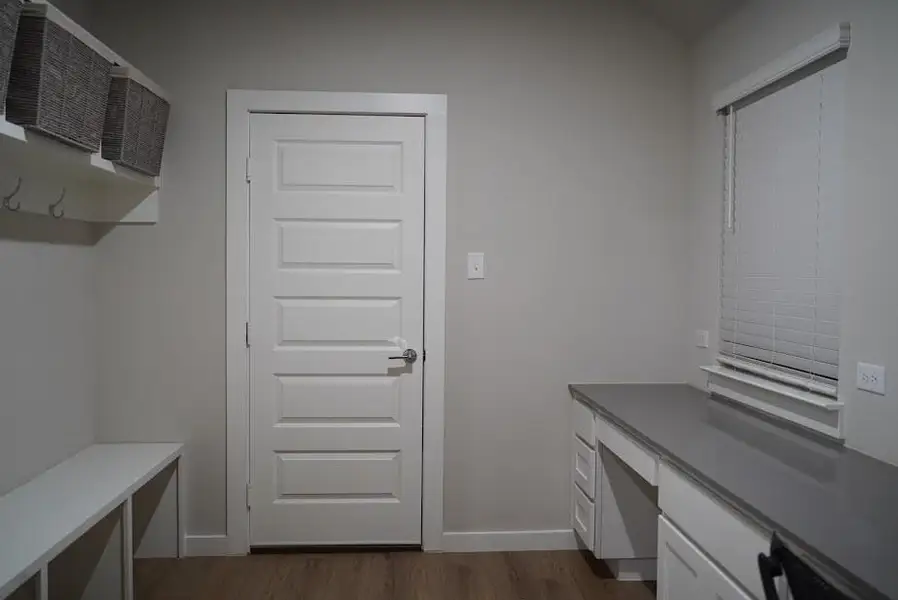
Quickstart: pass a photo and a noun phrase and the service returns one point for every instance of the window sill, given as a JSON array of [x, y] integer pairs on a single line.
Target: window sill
[[816, 400]]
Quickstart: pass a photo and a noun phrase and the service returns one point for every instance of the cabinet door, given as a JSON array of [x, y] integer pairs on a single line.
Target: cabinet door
[[724, 588], [583, 516], [679, 568], [583, 467], [626, 522], [686, 573]]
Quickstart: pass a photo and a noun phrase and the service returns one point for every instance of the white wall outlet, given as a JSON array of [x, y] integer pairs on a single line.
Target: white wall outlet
[[871, 378], [475, 265], [701, 338]]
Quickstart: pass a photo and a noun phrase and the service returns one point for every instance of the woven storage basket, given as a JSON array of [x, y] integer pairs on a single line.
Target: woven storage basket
[[9, 24], [58, 84], [136, 120]]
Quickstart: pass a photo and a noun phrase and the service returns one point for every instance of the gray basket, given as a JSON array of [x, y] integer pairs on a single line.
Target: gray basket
[[58, 84], [136, 120], [9, 23]]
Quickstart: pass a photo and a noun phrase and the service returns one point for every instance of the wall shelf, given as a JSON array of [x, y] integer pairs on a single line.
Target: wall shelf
[[96, 190]]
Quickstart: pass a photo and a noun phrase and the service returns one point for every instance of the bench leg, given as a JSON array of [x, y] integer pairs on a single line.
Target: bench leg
[[127, 550], [181, 489]]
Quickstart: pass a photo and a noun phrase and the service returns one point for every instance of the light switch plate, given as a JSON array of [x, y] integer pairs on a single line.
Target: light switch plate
[[701, 338], [871, 378], [475, 265]]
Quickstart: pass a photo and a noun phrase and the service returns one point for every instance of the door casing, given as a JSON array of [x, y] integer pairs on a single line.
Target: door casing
[[240, 105]]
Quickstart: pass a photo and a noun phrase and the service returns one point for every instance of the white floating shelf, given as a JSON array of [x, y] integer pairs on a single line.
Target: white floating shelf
[[96, 189], [24, 149]]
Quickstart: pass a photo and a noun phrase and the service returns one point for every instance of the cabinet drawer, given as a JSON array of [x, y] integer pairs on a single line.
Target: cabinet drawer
[[584, 424], [684, 571], [631, 452], [719, 531], [583, 517], [583, 467]]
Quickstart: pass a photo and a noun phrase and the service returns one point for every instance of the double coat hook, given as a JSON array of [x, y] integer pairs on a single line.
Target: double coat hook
[[6, 199], [52, 208]]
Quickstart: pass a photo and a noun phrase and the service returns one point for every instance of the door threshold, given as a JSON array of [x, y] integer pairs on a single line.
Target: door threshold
[[347, 549]]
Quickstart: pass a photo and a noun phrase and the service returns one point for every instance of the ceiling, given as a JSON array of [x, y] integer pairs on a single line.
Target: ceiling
[[691, 18]]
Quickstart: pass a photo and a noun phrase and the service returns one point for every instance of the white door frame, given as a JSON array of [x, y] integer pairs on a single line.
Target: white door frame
[[241, 104]]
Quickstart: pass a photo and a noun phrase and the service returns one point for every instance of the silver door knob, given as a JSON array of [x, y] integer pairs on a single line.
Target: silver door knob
[[409, 356]]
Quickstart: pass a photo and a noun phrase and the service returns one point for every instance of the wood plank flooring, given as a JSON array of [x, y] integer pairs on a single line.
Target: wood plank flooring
[[563, 575]]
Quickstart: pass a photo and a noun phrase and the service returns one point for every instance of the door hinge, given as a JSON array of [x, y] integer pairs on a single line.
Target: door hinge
[[249, 170], [247, 334], [249, 490], [424, 355]]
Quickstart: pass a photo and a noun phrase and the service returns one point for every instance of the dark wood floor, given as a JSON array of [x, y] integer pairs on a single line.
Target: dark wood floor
[[565, 575]]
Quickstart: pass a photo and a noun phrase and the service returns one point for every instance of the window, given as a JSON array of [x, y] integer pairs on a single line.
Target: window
[[779, 277]]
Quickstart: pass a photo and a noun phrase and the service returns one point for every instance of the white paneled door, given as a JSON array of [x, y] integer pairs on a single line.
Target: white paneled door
[[336, 292]]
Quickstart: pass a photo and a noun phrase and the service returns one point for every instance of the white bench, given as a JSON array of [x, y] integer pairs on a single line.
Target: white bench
[[40, 519]]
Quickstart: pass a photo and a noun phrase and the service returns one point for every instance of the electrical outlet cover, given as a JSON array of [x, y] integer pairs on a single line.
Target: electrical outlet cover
[[701, 338], [871, 378]]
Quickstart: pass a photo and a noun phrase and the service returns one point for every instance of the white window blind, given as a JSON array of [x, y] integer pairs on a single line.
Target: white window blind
[[781, 238]]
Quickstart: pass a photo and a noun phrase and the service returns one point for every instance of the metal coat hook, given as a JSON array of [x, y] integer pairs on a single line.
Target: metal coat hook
[[6, 199], [52, 208]]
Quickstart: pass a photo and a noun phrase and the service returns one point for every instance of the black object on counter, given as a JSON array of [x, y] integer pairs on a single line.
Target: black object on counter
[[804, 582]]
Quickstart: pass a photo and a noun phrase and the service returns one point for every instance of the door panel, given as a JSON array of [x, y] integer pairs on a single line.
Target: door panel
[[338, 475], [336, 287], [332, 165], [338, 321], [335, 398], [335, 244]]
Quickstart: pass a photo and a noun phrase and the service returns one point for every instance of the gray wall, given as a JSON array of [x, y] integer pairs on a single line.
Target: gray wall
[[756, 35], [48, 353], [567, 129]]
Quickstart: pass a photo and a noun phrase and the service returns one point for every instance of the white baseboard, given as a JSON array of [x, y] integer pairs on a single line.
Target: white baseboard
[[508, 541], [453, 541], [635, 569], [207, 545]]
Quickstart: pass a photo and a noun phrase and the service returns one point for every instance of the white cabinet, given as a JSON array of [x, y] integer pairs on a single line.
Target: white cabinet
[[583, 475], [686, 573], [638, 513], [716, 528], [613, 508]]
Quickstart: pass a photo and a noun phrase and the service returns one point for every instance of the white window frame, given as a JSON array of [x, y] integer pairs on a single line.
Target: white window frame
[[240, 105], [773, 392]]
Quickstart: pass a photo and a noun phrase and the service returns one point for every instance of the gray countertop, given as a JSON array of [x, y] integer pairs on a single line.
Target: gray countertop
[[838, 506]]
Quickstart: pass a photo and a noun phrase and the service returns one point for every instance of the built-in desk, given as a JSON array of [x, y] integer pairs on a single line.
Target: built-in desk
[[728, 477]]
